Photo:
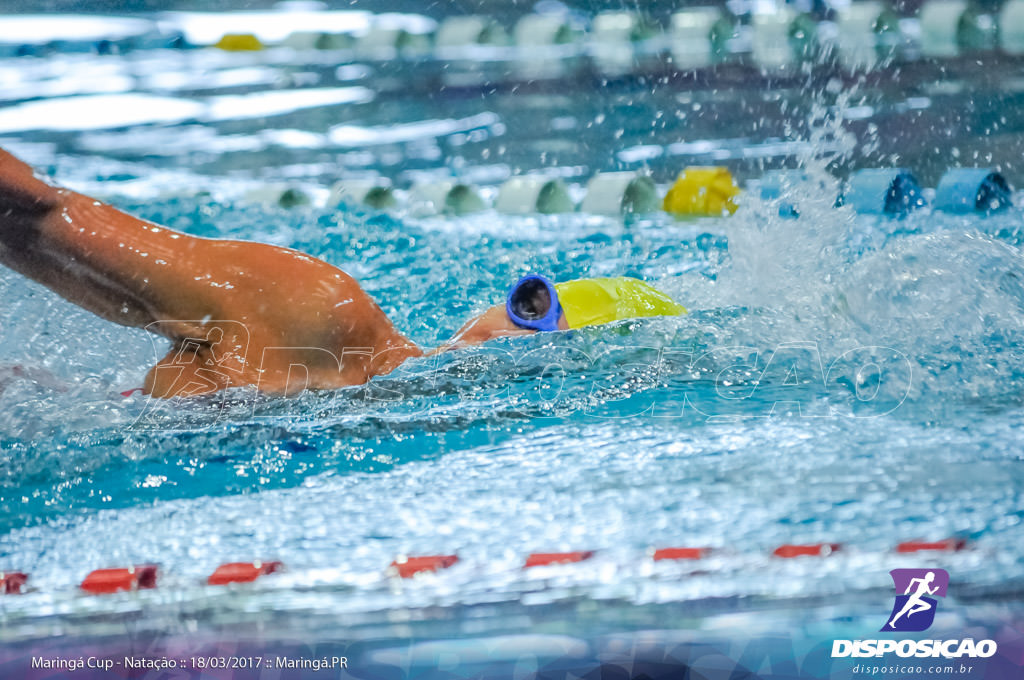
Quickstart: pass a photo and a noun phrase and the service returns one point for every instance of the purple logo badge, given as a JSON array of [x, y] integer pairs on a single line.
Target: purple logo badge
[[914, 609]]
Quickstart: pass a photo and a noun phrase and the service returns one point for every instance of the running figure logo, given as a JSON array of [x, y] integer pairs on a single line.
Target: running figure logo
[[914, 610]]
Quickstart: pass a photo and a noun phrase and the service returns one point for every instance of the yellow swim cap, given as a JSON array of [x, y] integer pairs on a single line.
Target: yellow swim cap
[[589, 302]]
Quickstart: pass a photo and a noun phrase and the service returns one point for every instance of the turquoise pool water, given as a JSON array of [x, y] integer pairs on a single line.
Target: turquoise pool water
[[840, 378]]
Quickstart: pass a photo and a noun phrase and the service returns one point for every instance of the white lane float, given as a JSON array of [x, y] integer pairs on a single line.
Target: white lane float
[[527, 194], [373, 193], [689, 36], [616, 193]]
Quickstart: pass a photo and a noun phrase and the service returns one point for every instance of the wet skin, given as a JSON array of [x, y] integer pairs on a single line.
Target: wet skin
[[491, 324], [236, 312]]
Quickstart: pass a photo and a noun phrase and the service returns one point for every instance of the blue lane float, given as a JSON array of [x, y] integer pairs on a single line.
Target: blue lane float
[[776, 183], [966, 190], [779, 184], [883, 191]]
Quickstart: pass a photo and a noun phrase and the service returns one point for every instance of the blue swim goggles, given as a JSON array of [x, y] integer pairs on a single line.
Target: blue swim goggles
[[533, 303]]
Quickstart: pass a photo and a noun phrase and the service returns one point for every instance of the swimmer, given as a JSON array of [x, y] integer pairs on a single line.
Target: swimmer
[[239, 312]]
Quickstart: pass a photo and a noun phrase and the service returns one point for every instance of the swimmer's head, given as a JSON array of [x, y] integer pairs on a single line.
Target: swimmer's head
[[533, 303]]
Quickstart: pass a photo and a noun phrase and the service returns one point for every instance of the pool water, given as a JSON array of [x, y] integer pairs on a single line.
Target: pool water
[[840, 378]]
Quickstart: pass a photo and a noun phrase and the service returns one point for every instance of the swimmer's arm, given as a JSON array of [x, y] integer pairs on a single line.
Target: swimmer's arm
[[22, 194], [134, 273], [120, 267], [72, 244]]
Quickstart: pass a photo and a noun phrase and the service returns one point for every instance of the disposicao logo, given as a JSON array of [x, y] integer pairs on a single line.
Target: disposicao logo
[[913, 612]]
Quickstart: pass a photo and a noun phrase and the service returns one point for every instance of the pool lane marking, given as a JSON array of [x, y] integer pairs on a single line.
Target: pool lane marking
[[545, 559], [142, 577], [947, 545], [680, 554], [242, 572], [407, 567], [12, 582], [104, 581], [789, 550]]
